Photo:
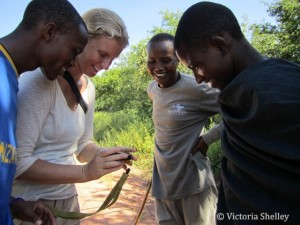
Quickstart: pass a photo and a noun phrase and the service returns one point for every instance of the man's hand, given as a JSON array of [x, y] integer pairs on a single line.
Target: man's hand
[[200, 146], [32, 211]]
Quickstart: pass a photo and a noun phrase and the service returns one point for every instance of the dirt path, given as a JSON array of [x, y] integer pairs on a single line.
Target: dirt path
[[125, 210]]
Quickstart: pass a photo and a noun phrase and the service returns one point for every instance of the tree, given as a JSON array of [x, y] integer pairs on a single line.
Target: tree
[[169, 22], [120, 90], [279, 40]]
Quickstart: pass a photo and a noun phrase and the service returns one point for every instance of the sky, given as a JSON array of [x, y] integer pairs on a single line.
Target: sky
[[140, 16]]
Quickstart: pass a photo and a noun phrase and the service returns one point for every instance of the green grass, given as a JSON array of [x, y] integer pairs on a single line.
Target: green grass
[[123, 129]]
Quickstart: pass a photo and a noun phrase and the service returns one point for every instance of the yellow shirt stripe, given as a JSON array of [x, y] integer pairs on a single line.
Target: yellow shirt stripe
[[9, 58]]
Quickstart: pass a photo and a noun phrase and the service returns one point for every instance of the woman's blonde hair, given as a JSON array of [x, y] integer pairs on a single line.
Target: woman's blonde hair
[[105, 22]]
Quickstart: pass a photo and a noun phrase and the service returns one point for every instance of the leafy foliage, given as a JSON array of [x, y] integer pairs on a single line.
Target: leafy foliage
[[280, 40], [121, 89], [169, 23], [215, 155]]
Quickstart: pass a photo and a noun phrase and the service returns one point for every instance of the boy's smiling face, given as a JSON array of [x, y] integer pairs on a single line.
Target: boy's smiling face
[[162, 62]]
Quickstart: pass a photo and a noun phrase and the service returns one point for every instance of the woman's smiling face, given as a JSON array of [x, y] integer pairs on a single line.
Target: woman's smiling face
[[98, 55]]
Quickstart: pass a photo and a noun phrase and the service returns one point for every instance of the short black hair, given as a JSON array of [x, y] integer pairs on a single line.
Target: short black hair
[[204, 20], [61, 12], [161, 37]]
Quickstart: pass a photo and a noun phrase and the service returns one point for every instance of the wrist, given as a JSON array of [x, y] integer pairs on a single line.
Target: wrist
[[87, 176], [84, 173]]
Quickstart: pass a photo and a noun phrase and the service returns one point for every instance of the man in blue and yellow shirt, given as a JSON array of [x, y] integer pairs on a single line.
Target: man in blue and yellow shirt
[[40, 40]]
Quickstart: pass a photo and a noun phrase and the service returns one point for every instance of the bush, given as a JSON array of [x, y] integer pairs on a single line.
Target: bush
[[104, 122], [215, 155], [126, 129]]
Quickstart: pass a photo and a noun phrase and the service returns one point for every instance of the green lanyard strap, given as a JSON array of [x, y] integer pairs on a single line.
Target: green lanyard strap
[[111, 198]]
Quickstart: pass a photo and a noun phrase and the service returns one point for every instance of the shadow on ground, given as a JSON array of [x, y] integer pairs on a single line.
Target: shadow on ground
[[125, 210]]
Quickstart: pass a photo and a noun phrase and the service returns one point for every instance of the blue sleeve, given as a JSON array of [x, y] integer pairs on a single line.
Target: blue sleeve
[[8, 113]]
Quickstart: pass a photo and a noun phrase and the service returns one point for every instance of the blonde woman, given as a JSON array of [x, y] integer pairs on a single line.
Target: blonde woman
[[52, 125]]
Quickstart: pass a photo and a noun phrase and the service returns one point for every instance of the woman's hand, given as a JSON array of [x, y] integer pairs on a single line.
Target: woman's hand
[[107, 161]]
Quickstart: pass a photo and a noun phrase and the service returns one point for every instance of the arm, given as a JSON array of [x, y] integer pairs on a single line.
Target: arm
[[35, 103], [87, 149], [208, 138], [35, 99], [101, 163], [210, 106], [214, 134], [208, 100]]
